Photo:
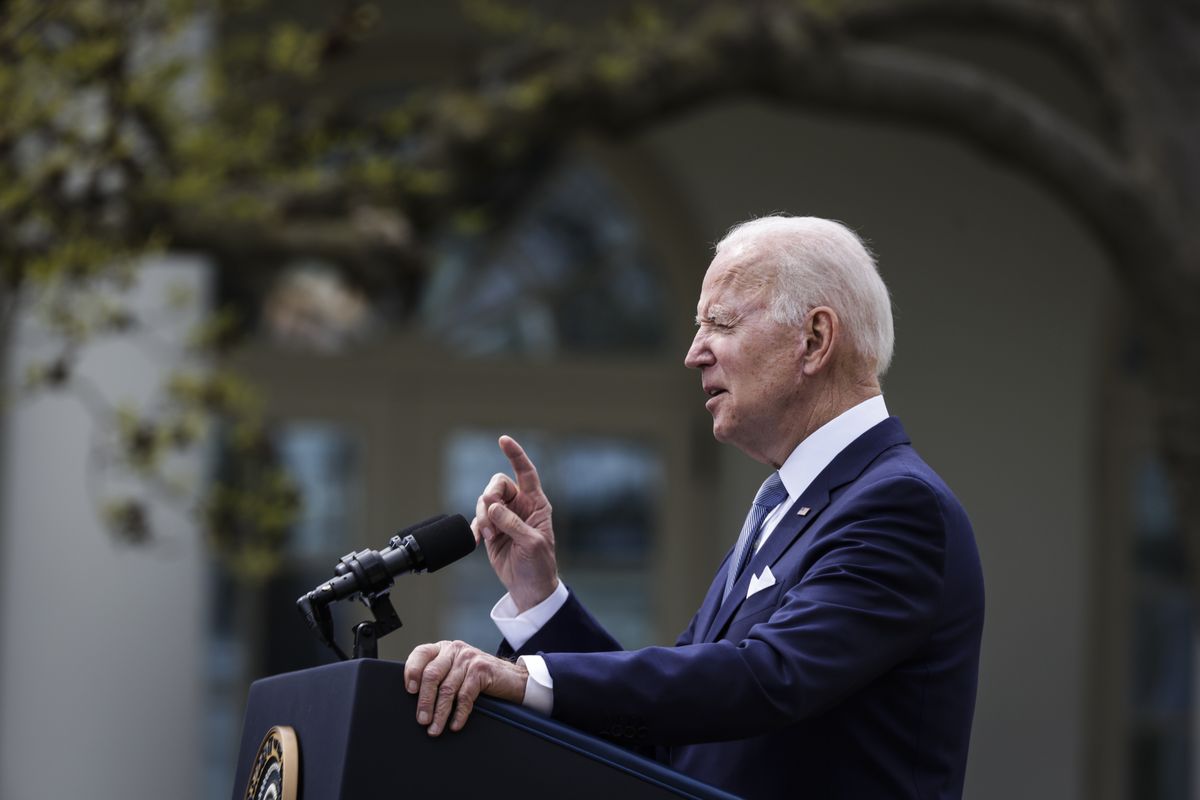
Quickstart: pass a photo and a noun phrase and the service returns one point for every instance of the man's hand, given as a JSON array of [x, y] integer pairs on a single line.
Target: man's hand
[[513, 519], [449, 676]]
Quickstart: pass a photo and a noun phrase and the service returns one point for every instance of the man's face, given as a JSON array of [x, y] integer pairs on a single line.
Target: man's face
[[749, 365]]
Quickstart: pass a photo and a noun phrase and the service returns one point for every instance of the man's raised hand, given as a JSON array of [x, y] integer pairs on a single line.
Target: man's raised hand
[[513, 519]]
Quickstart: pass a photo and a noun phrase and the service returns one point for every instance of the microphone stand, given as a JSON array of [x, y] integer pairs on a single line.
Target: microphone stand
[[314, 606], [367, 633]]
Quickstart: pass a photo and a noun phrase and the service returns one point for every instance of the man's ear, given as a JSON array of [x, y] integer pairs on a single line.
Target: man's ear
[[820, 334]]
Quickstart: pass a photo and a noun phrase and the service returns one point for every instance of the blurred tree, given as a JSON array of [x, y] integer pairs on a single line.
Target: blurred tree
[[141, 124]]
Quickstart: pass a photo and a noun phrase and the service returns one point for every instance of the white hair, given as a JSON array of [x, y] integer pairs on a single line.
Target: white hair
[[819, 262]]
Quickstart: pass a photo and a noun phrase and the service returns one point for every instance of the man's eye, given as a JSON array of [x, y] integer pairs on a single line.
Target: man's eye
[[712, 324]]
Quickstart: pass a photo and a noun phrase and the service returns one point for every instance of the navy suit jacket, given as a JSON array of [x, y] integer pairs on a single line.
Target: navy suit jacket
[[853, 676]]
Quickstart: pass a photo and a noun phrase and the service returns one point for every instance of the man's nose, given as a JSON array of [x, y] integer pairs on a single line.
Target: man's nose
[[698, 355]]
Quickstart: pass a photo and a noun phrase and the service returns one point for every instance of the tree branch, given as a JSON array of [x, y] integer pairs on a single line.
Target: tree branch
[[1064, 30], [791, 57], [784, 53], [1068, 33], [370, 251], [1115, 203]]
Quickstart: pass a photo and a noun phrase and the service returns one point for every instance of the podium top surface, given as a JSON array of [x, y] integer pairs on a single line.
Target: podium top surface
[[358, 738]]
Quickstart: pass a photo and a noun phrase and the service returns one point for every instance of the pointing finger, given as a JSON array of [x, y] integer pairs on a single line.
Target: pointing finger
[[523, 469]]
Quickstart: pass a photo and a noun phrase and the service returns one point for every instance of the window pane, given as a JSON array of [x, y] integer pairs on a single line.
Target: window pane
[[1159, 768], [609, 490], [573, 274], [1158, 540], [1163, 642], [255, 630], [324, 463]]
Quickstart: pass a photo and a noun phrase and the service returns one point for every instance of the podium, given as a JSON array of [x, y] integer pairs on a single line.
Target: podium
[[358, 739]]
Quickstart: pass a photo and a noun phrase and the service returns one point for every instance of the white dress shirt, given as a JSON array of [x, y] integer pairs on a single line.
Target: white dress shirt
[[805, 463]]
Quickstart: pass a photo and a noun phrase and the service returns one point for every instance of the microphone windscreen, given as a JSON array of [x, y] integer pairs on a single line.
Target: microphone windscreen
[[411, 529], [444, 541]]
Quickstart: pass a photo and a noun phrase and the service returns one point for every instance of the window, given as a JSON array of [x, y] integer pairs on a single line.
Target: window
[[1143, 673], [255, 630], [1163, 642], [574, 275]]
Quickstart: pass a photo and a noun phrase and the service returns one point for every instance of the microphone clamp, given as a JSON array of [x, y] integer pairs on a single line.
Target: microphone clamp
[[368, 575]]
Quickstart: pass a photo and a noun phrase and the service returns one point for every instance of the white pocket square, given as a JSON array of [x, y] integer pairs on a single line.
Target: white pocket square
[[760, 582]]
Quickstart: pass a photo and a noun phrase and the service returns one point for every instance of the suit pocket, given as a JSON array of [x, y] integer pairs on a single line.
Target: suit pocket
[[755, 611], [758, 604]]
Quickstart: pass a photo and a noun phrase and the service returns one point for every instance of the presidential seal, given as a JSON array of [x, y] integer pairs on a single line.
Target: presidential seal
[[276, 770]]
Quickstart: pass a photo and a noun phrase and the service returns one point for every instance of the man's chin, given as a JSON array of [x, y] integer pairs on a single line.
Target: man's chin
[[725, 435], [720, 432]]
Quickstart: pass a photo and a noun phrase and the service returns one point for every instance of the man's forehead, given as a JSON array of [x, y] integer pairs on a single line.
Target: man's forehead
[[737, 274]]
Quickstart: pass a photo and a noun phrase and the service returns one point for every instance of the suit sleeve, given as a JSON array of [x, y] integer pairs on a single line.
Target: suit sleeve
[[866, 597], [573, 630]]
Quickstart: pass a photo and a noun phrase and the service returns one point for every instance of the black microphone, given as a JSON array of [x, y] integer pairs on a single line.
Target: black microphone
[[426, 546]]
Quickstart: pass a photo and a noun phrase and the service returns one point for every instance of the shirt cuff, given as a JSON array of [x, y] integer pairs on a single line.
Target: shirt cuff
[[539, 686], [517, 629]]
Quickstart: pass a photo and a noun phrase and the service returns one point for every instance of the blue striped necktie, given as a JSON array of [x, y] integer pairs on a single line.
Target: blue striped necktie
[[770, 494]]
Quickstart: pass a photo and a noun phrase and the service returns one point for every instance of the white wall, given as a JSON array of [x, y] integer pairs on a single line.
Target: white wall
[[100, 643], [998, 295]]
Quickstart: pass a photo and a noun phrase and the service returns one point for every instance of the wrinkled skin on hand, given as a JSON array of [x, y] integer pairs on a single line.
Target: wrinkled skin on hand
[[447, 677]]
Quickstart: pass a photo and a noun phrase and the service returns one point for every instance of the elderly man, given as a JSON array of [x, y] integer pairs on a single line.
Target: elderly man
[[836, 652]]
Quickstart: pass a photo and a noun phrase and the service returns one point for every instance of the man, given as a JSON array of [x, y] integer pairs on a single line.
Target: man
[[836, 652]]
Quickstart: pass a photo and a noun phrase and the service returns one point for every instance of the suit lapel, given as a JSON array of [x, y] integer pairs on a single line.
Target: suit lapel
[[786, 532], [845, 467], [712, 602]]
